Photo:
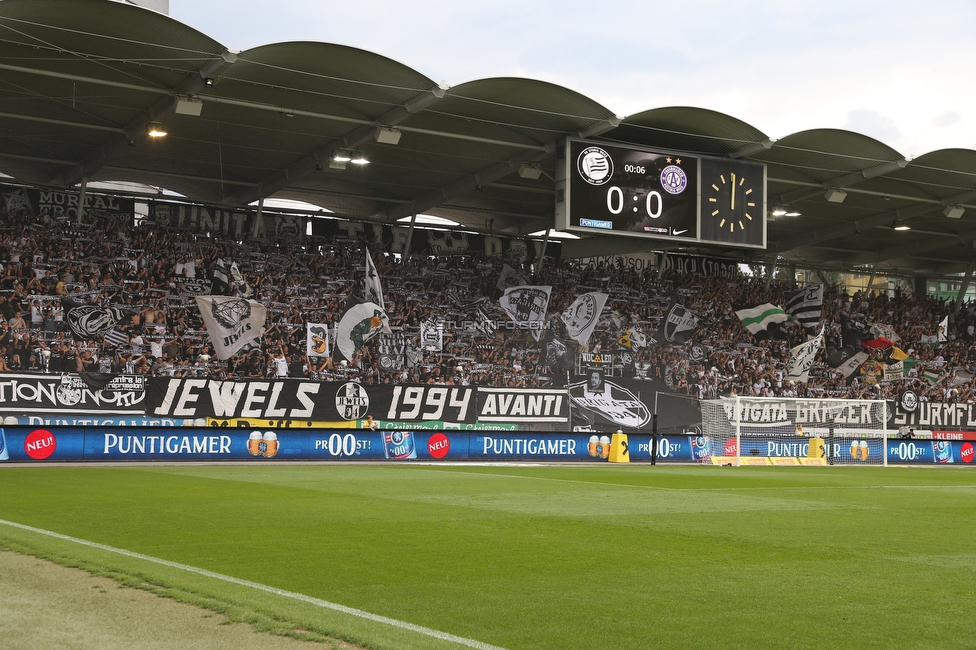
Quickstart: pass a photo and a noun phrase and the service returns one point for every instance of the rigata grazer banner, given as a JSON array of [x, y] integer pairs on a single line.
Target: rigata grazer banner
[[307, 400]]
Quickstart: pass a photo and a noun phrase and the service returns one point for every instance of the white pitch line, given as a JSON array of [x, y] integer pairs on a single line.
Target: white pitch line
[[437, 634]]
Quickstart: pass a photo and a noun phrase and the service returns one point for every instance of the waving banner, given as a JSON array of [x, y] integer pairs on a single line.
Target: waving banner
[[581, 317], [358, 325], [527, 305], [679, 325], [88, 321], [231, 322], [801, 358], [317, 339]]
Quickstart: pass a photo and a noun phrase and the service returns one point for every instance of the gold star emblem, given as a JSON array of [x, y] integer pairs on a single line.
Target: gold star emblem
[[677, 161], [668, 159]]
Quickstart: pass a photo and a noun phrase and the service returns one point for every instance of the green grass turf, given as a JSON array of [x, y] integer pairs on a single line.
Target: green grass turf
[[540, 557]]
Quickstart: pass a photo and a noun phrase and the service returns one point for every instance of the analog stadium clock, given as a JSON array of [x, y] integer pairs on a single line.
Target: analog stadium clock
[[733, 202]]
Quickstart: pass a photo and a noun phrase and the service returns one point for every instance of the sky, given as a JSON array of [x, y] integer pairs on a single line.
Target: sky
[[901, 72]]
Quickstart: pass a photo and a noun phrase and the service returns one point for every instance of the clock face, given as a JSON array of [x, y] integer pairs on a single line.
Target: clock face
[[733, 207]]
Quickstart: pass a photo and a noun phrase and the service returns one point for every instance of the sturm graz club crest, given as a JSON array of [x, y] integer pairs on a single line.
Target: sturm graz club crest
[[595, 165], [697, 352], [908, 401], [352, 401], [231, 313]]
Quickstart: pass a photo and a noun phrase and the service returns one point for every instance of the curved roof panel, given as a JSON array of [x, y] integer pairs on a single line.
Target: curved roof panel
[[696, 130]]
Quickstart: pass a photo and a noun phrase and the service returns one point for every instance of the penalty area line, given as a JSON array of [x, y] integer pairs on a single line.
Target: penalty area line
[[376, 618]]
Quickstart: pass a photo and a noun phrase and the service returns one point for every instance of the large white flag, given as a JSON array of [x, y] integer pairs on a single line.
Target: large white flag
[[432, 335], [801, 358], [527, 305], [374, 290], [231, 322], [317, 339], [759, 318], [581, 317], [358, 325], [943, 334]]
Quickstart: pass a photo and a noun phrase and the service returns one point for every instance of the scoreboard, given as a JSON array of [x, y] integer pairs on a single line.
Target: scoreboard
[[623, 190]]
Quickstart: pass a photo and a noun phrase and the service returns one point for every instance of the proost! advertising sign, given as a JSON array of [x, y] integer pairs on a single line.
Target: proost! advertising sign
[[941, 452]]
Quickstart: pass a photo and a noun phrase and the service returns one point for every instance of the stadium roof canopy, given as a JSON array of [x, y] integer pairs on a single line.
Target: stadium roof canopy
[[81, 80]]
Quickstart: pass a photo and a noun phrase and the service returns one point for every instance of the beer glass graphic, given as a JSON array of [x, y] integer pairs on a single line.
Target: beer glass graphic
[[592, 446], [862, 449], [270, 444], [4, 454], [855, 450], [254, 443], [605, 444]]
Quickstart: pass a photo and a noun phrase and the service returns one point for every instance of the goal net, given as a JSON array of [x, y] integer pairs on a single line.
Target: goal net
[[794, 431]]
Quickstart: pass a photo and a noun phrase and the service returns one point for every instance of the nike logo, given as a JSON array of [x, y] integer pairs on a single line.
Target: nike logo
[[678, 232]]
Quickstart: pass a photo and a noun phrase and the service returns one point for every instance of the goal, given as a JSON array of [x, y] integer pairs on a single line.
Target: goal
[[795, 431]]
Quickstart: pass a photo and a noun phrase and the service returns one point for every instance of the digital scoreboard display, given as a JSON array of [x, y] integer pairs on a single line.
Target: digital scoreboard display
[[607, 189]]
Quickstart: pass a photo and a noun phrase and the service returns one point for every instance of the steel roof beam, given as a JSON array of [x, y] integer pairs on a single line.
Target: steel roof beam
[[861, 225], [909, 249], [843, 181], [853, 227], [362, 121], [135, 130], [360, 135], [751, 149], [488, 175]]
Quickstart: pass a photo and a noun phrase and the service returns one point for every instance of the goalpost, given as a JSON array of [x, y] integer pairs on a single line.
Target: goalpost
[[795, 431]]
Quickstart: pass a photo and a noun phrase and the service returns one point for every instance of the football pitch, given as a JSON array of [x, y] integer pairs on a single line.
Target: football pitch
[[524, 556]]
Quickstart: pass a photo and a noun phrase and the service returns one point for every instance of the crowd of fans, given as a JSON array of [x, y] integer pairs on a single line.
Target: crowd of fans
[[49, 265]]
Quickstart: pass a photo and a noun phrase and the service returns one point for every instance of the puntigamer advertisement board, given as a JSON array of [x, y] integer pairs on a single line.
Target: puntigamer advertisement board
[[52, 444]]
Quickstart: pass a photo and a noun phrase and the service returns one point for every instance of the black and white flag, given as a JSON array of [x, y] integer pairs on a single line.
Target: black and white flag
[[852, 364], [880, 330], [231, 322], [509, 278], [392, 350], [801, 358], [89, 321], [374, 290], [115, 337], [697, 352], [432, 335], [527, 306], [581, 317], [679, 325], [556, 353], [806, 306]]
